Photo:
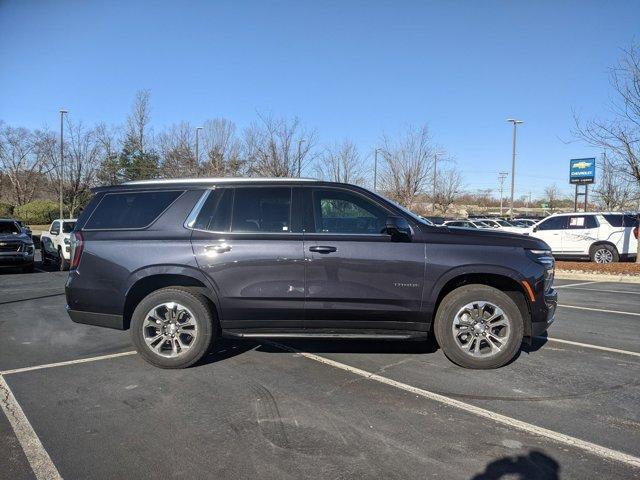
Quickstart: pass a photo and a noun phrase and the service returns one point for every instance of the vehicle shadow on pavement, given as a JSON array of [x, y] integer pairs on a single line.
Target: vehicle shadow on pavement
[[354, 346], [536, 344], [535, 465]]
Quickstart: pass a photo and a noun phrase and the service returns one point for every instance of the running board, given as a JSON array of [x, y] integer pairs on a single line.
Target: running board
[[335, 335]]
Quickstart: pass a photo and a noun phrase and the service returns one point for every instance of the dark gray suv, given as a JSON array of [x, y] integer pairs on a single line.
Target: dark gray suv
[[183, 262]]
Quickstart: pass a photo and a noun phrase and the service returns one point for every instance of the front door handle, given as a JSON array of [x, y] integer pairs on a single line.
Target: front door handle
[[219, 248], [322, 249]]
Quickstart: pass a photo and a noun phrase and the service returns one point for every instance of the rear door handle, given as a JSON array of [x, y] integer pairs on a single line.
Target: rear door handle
[[322, 249], [219, 248]]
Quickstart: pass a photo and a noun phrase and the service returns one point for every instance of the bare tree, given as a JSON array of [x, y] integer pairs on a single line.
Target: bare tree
[[24, 157], [614, 190], [341, 163], [448, 189], [222, 149], [552, 196], [407, 166], [138, 159], [620, 134], [278, 147], [138, 121], [109, 171], [81, 165], [177, 158]]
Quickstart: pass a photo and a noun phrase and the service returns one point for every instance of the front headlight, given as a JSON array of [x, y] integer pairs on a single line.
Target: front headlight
[[545, 258]]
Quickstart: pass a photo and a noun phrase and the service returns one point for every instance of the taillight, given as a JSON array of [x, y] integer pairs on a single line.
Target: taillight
[[635, 232], [77, 244]]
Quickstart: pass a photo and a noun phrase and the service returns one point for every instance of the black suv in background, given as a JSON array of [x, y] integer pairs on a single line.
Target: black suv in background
[[16, 245], [181, 262]]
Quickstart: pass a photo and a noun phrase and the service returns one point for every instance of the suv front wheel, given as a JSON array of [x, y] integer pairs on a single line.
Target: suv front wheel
[[173, 328], [479, 327]]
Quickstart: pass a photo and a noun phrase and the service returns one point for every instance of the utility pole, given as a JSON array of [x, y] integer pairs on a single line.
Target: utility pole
[[300, 142], [513, 161], [435, 180], [375, 170], [62, 112], [501, 177], [197, 146]]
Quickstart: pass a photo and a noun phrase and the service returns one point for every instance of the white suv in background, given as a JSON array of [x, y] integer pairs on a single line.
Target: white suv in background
[[603, 237]]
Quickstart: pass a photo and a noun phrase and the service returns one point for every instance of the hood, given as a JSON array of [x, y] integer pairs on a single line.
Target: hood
[[496, 238], [22, 237]]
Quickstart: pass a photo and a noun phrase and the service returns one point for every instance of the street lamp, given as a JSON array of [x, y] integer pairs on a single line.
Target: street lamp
[[513, 161], [197, 146], [435, 177], [300, 142], [62, 112]]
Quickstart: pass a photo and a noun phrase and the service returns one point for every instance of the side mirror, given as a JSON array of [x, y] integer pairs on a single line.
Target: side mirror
[[535, 229], [398, 228]]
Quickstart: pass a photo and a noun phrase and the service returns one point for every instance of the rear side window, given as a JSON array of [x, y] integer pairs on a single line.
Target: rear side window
[[215, 214], [554, 223], [582, 221], [130, 210], [261, 209], [620, 220]]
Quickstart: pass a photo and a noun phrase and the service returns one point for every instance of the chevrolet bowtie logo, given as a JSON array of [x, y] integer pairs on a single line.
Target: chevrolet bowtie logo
[[582, 164]]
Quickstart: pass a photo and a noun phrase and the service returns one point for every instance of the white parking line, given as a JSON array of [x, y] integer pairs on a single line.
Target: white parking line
[[38, 458], [619, 312], [68, 362], [599, 290], [588, 447], [588, 345], [574, 284]]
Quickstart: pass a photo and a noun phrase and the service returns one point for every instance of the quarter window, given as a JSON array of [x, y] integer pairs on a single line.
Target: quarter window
[[130, 210], [215, 214], [338, 211], [262, 209]]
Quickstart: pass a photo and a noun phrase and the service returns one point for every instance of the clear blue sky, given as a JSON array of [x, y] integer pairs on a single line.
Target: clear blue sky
[[347, 68]]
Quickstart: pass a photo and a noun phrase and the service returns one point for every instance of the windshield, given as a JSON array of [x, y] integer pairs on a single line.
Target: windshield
[[9, 227], [67, 227]]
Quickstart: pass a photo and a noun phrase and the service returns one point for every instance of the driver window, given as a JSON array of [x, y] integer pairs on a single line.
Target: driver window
[[338, 211], [55, 228], [555, 223]]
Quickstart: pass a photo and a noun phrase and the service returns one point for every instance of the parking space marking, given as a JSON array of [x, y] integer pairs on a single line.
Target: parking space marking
[[558, 437], [599, 290], [68, 362], [588, 345], [38, 458], [574, 284], [619, 312]]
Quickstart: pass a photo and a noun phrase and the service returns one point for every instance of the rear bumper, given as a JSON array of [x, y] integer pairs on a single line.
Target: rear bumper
[[544, 313], [97, 319]]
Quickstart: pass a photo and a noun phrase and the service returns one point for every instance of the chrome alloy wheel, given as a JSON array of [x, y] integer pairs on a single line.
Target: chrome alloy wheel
[[169, 329], [602, 255], [481, 329]]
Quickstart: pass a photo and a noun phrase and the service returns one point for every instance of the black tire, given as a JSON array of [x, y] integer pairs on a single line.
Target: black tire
[[604, 253], [203, 317], [29, 268], [444, 327], [63, 263]]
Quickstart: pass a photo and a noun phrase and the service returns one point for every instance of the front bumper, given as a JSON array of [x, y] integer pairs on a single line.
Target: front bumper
[[97, 319], [18, 259], [544, 312]]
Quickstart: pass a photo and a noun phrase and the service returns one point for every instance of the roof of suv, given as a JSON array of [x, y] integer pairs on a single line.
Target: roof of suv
[[204, 182]]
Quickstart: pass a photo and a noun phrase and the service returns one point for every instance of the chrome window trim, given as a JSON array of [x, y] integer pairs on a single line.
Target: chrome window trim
[[195, 211]]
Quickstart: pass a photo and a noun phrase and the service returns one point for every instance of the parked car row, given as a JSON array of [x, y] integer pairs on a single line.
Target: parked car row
[[602, 237]]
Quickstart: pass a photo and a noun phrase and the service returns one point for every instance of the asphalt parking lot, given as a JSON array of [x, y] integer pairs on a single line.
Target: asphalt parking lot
[[77, 403]]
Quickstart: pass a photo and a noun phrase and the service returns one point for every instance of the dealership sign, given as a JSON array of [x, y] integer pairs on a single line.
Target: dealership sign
[[582, 170]]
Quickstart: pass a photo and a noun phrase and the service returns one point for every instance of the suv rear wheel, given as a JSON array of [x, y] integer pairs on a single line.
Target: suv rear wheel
[[604, 253], [479, 327], [173, 328]]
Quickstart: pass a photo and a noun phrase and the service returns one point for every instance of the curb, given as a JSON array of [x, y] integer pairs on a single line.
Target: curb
[[597, 277]]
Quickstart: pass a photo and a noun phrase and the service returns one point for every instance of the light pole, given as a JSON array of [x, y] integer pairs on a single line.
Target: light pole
[[501, 177], [375, 169], [435, 179], [62, 112], [513, 162], [300, 142], [197, 146]]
